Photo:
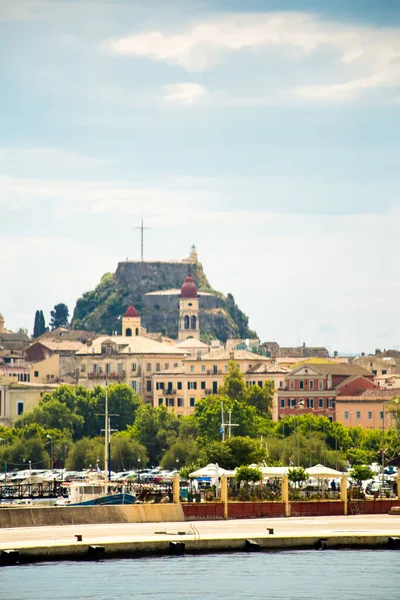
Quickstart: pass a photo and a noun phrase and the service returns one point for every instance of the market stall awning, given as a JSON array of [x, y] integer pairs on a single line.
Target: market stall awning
[[322, 471]]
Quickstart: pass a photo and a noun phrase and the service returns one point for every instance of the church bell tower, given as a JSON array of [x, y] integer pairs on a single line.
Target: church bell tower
[[189, 311]]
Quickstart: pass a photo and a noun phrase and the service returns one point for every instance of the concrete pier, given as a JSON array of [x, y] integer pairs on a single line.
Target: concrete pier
[[137, 539]]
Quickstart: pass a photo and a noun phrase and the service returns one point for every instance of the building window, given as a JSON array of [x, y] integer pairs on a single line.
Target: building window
[[203, 385], [160, 401], [301, 384], [260, 384], [179, 385], [148, 367], [133, 384], [310, 403], [381, 415], [346, 414], [170, 402], [358, 414], [166, 366], [192, 401], [94, 368], [384, 371], [215, 369], [330, 402], [311, 384], [291, 383], [120, 368], [133, 366], [292, 402], [158, 367], [175, 365], [159, 385], [180, 402], [320, 384], [148, 386], [192, 385], [226, 368], [370, 414], [36, 374], [192, 368], [320, 403], [108, 369], [215, 387], [83, 368], [20, 407], [203, 368], [282, 402]]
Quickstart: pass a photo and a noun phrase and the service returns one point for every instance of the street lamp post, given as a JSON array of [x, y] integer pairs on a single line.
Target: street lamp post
[[51, 450], [383, 442]]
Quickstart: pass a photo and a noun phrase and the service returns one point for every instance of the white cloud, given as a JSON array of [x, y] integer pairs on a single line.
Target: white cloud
[[368, 56], [184, 93]]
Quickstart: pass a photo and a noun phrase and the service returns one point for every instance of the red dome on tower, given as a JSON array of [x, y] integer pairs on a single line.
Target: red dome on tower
[[189, 289], [131, 311]]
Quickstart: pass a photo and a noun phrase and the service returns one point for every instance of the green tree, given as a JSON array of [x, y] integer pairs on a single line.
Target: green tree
[[297, 475], [234, 386], [59, 316], [182, 452], [156, 429], [248, 474], [85, 453], [261, 398], [18, 454], [361, 472], [234, 452], [127, 453], [39, 327], [53, 414], [208, 418]]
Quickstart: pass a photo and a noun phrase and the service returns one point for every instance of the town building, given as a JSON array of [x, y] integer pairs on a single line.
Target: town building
[[313, 388], [370, 409], [130, 359], [181, 387], [17, 398]]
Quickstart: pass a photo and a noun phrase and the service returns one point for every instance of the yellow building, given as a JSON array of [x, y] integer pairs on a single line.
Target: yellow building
[[17, 398], [180, 387]]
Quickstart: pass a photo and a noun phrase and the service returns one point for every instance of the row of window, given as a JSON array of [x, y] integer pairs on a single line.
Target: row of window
[[191, 385], [308, 403], [171, 402], [347, 414], [120, 367], [306, 384]]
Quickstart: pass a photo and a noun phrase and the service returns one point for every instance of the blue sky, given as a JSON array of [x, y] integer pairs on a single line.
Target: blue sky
[[265, 132]]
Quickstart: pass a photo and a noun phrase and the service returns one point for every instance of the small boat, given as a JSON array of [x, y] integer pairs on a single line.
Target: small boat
[[82, 493]]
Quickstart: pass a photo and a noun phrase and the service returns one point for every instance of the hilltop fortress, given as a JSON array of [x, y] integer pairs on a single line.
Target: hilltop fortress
[[154, 288]]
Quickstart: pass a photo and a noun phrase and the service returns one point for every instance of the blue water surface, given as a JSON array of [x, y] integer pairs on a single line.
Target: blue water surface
[[301, 575]]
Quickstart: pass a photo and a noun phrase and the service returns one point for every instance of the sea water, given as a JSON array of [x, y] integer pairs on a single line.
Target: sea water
[[300, 575]]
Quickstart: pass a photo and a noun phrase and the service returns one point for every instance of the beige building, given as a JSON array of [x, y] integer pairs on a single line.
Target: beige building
[[18, 398], [179, 388], [370, 410], [377, 365]]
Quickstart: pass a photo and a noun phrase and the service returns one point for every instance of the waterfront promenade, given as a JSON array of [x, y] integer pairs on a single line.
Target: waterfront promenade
[[46, 543]]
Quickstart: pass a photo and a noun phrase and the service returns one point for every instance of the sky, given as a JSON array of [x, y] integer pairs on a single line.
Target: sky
[[265, 132]]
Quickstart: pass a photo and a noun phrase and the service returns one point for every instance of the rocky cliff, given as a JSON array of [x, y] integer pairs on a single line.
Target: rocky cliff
[[146, 284]]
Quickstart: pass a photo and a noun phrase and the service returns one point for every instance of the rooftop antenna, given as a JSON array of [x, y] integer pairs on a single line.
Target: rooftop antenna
[[141, 236]]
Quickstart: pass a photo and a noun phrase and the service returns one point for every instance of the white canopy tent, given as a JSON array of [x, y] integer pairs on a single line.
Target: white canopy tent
[[211, 470], [325, 472]]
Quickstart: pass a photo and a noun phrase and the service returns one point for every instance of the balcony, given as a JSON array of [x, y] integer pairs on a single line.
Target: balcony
[[168, 392], [113, 376], [217, 372], [208, 392]]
